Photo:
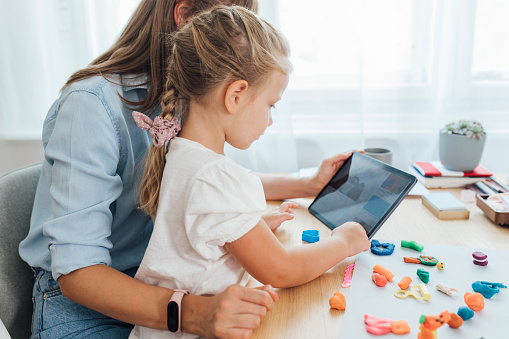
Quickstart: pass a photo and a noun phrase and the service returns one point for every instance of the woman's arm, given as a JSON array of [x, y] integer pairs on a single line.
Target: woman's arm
[[233, 313], [279, 187], [269, 262]]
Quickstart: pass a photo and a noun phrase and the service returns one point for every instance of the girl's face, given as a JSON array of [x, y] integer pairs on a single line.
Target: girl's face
[[256, 116]]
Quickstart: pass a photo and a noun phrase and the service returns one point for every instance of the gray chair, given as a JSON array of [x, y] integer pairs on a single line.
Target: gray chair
[[17, 192]]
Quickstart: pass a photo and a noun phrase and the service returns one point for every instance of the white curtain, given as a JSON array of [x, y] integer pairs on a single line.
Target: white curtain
[[43, 43], [385, 73]]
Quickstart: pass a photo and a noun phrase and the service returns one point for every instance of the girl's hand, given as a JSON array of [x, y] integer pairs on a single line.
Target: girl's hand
[[327, 169], [278, 215], [237, 311], [354, 235]]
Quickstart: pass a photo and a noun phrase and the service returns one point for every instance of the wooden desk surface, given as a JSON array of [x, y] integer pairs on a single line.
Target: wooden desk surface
[[304, 312]]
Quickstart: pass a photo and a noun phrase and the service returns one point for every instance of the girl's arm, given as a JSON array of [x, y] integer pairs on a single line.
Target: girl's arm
[[269, 262], [233, 313], [279, 187]]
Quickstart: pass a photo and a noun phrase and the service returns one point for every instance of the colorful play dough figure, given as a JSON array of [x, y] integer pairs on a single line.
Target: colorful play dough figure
[[441, 265], [487, 289], [379, 326], [385, 248], [430, 324], [422, 259], [412, 244], [400, 327], [445, 289], [474, 300], [455, 321], [310, 236], [338, 301], [380, 280], [405, 282], [347, 281], [383, 271], [480, 258], [423, 275], [465, 313]]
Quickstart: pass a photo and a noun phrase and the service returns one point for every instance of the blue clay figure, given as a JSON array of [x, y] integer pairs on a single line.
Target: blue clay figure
[[385, 248], [310, 236]]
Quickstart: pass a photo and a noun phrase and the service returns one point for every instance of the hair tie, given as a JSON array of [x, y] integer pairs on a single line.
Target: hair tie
[[161, 130]]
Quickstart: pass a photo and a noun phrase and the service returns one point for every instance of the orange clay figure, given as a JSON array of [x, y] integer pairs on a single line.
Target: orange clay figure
[[430, 324], [383, 271], [405, 282], [380, 280], [338, 301], [474, 300]]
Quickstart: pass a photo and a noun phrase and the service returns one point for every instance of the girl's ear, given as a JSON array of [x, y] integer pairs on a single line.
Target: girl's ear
[[235, 94], [179, 12]]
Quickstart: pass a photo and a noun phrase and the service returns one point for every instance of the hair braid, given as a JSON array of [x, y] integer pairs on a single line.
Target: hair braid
[[218, 47]]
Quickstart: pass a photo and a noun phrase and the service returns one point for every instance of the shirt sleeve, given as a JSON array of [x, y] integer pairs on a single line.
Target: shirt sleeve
[[225, 202], [84, 153]]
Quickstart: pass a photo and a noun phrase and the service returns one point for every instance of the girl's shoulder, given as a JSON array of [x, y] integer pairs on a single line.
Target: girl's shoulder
[[201, 162], [224, 170]]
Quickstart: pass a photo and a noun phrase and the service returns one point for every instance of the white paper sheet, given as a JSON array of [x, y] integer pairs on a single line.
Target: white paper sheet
[[365, 297]]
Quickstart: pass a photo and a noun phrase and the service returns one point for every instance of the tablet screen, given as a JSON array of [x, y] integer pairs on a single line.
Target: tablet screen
[[364, 190]]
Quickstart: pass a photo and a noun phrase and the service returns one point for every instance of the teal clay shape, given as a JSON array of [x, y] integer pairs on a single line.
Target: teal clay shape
[[465, 313], [487, 289], [424, 275]]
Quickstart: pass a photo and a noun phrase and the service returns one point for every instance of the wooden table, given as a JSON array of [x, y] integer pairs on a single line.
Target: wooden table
[[304, 312]]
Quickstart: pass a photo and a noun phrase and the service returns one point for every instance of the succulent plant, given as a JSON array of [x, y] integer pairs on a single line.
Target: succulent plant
[[469, 128]]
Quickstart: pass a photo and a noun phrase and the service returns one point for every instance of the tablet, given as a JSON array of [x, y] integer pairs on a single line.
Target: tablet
[[364, 190]]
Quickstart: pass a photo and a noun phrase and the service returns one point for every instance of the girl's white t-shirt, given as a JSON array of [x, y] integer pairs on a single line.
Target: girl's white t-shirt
[[206, 200]]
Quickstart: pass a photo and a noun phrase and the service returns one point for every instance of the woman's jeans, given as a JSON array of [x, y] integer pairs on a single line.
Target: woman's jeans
[[55, 316]]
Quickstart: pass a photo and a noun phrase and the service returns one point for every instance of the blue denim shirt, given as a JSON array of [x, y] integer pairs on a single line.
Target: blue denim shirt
[[85, 210]]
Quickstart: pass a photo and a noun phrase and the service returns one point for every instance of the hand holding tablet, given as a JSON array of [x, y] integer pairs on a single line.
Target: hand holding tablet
[[363, 190]]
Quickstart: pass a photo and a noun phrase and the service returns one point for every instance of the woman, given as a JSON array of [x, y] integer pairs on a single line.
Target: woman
[[87, 236]]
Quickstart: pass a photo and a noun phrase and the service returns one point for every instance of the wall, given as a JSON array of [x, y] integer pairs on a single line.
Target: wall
[[19, 153]]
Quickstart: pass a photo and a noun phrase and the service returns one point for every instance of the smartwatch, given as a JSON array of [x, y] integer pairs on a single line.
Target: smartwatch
[[173, 310]]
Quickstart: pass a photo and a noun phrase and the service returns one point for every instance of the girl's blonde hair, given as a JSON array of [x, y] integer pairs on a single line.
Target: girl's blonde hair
[[228, 43], [140, 48]]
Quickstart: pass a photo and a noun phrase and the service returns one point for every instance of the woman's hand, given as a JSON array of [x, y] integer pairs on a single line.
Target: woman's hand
[[236, 312], [327, 169], [280, 214]]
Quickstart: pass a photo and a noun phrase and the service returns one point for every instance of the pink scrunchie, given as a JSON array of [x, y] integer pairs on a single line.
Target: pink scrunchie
[[161, 130]]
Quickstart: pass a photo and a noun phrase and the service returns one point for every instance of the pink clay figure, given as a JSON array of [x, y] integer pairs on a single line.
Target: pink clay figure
[[348, 277]]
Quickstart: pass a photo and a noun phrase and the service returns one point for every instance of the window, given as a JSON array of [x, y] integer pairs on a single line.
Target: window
[[394, 72], [490, 61]]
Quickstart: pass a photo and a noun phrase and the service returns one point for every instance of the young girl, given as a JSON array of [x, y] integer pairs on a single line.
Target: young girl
[[227, 69]]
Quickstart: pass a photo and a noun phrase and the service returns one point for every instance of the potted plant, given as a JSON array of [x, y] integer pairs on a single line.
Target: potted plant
[[461, 145]]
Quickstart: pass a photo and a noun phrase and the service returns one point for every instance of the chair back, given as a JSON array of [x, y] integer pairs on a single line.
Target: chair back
[[17, 193]]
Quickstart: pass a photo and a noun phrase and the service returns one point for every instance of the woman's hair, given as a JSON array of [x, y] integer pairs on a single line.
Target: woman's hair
[[140, 48], [227, 44]]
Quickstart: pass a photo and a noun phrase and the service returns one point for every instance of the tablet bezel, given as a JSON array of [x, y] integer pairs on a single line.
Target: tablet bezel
[[379, 165]]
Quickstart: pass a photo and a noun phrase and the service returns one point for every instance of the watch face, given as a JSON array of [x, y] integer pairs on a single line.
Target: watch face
[[173, 316]]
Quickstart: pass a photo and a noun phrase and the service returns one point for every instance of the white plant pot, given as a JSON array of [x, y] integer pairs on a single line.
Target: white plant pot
[[459, 153]]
